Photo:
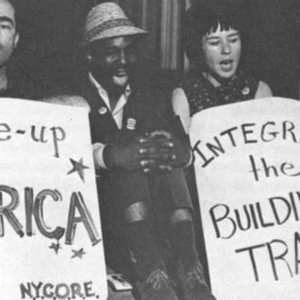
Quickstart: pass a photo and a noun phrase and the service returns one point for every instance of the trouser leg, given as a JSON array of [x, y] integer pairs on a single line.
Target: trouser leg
[[189, 269], [153, 282], [141, 241]]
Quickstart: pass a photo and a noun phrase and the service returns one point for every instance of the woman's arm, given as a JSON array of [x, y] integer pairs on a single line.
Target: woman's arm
[[263, 91], [181, 107]]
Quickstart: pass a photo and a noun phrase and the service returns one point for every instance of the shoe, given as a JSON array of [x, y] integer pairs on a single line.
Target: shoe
[[158, 286], [193, 283]]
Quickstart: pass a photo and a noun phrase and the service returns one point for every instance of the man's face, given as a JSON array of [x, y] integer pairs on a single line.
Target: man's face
[[8, 33], [112, 61]]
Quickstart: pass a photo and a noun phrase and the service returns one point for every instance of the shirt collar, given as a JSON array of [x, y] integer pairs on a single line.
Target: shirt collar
[[104, 95]]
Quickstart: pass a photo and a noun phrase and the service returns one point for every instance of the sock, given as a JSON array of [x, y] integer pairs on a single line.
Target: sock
[[182, 241], [143, 245]]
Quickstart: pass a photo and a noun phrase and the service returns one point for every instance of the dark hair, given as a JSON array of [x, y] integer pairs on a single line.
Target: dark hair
[[15, 5], [202, 18]]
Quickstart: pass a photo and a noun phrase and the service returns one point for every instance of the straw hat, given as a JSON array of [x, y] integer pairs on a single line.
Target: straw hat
[[108, 20]]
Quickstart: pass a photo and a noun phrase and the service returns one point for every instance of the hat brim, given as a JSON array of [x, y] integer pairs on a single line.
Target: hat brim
[[116, 32]]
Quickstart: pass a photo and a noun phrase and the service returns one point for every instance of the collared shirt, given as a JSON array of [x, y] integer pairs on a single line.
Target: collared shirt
[[117, 115]]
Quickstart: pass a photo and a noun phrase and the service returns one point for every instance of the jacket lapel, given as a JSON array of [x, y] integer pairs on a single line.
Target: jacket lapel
[[102, 123]]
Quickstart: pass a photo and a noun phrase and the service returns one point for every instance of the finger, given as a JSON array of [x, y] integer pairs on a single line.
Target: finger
[[152, 139], [143, 150], [149, 150], [161, 134], [147, 171], [144, 163], [161, 157], [144, 140], [145, 143], [165, 168], [147, 163], [167, 144]]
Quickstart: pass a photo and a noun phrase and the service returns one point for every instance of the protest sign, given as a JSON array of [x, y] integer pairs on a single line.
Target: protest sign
[[247, 161], [50, 232]]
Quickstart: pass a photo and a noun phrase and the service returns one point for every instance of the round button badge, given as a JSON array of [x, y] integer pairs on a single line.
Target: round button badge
[[102, 110]]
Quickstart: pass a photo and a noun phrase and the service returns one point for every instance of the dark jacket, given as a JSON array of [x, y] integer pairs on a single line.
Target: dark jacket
[[148, 105]]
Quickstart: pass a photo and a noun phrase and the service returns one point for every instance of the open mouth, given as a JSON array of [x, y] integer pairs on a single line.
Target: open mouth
[[121, 73], [226, 64], [120, 78]]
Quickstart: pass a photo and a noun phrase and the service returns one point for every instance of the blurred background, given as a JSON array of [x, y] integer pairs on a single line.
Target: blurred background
[[49, 49]]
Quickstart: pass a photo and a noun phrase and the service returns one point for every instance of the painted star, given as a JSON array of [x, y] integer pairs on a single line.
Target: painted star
[[55, 247], [78, 167], [78, 253]]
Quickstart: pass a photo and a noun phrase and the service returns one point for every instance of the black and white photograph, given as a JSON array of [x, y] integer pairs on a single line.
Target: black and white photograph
[[149, 149]]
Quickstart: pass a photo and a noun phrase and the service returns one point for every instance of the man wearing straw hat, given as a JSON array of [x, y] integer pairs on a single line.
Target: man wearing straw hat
[[140, 150]]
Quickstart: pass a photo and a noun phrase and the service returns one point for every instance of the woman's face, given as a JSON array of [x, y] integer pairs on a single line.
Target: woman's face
[[222, 51]]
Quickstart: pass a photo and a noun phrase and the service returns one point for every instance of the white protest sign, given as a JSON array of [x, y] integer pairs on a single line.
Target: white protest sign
[[50, 232], [247, 160]]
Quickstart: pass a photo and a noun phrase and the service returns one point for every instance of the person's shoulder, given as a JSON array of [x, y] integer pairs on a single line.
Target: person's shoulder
[[192, 78], [263, 90], [258, 88], [68, 100]]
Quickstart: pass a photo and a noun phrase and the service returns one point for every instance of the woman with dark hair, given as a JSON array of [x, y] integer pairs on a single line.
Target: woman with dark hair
[[213, 44]]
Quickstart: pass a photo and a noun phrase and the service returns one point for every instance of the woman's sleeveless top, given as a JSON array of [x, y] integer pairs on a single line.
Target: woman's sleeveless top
[[201, 94]]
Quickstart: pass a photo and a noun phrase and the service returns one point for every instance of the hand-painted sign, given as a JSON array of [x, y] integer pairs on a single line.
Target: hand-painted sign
[[50, 231], [247, 160]]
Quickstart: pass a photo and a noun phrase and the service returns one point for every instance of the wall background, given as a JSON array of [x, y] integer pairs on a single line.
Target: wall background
[[51, 32]]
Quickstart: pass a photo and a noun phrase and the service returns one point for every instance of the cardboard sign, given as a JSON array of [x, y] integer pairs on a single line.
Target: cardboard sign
[[248, 179], [50, 232]]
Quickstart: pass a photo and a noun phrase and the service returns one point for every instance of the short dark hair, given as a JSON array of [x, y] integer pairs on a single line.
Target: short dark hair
[[202, 18]]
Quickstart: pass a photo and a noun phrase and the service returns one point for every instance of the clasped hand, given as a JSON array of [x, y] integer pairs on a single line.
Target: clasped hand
[[155, 152]]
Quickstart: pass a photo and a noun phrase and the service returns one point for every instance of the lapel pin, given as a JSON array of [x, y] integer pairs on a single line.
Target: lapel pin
[[131, 124], [246, 90], [102, 110]]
